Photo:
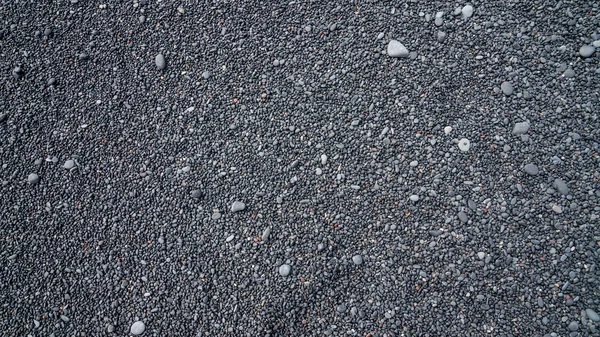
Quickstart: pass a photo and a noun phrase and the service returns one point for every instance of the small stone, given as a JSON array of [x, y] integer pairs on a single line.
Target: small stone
[[531, 169], [196, 194], [323, 159], [266, 233], [414, 163], [69, 164], [64, 318], [561, 186], [447, 130], [357, 259], [238, 206], [33, 179], [160, 61], [341, 308], [586, 51], [507, 88], [206, 74], [414, 198], [230, 238], [467, 11], [52, 82], [397, 49], [3, 118], [441, 36], [84, 57], [37, 323], [138, 328], [521, 128], [591, 314], [573, 326], [557, 209], [481, 255], [569, 73], [318, 171], [464, 145], [284, 270], [462, 216], [110, 328], [18, 73]]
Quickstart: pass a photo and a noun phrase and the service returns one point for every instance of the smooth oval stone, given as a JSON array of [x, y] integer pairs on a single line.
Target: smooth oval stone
[[569, 73], [266, 233], [557, 209], [196, 194], [138, 328], [397, 49], [586, 51], [52, 81], [531, 169], [161, 63], [507, 88], [467, 11], [357, 259], [69, 164], [441, 36], [284, 270], [464, 145], [341, 308], [414, 197], [238, 206], [591, 314], [206, 74], [436, 233], [573, 326], [17, 73], [462, 216], [33, 178]]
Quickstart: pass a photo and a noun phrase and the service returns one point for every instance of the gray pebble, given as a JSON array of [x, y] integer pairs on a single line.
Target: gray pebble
[[230, 238], [196, 194], [507, 88], [591, 314], [569, 73], [161, 63], [33, 178], [414, 163], [438, 21], [441, 36], [64, 318], [462, 216], [531, 169], [216, 216], [238, 206], [18, 73], [481, 255], [467, 11], [357, 259], [341, 308], [414, 198], [266, 233], [573, 326], [323, 159], [436, 233], [284, 270], [557, 209], [69, 164], [138, 328], [586, 51], [521, 128], [206, 74], [110, 328], [397, 49], [561, 186]]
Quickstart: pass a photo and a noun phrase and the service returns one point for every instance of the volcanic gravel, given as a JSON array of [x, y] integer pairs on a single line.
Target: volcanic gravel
[[301, 168]]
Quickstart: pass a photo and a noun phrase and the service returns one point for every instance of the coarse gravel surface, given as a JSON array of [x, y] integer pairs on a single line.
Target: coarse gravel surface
[[299, 168]]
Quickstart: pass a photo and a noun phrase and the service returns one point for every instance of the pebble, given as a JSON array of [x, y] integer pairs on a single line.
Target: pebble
[[110, 328], [507, 88], [531, 169], [161, 63], [591, 314], [64, 318], [441, 36], [561, 186], [33, 178], [447, 130], [69, 164], [238, 206], [380, 36], [414, 198], [481, 255], [462, 216], [230, 238], [414, 163], [3, 118], [396, 49], [357, 259], [266, 233], [569, 73], [557, 209], [573, 326], [438, 21], [586, 51], [521, 128], [467, 11], [318, 171], [323, 159], [464, 145], [341, 308], [138, 328], [196, 194], [284, 270], [206, 74], [436, 233], [18, 73], [51, 81]]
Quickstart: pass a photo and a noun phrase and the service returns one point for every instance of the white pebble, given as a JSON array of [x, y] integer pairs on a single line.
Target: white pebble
[[464, 145], [447, 130]]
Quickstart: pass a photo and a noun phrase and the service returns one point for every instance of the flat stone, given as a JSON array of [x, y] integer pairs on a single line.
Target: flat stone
[[591, 314], [196, 194], [138, 328], [397, 49], [557, 209], [414, 198], [467, 11], [586, 51], [464, 145], [285, 269], [507, 88], [161, 62], [266, 233], [561, 186], [357, 259], [531, 169], [69, 164], [462, 216], [238, 206], [573, 326], [33, 179], [521, 128]]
